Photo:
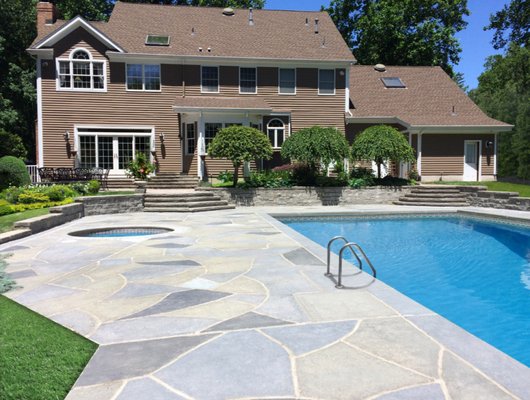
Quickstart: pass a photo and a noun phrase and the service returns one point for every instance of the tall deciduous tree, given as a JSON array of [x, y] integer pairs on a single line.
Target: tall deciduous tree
[[511, 24], [382, 143], [405, 32], [17, 69], [503, 93]]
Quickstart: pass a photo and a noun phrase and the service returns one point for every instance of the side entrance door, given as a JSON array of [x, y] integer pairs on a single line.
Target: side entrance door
[[471, 160]]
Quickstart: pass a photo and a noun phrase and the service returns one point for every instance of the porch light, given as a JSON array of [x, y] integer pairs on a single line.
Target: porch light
[[162, 137], [66, 136], [489, 143]]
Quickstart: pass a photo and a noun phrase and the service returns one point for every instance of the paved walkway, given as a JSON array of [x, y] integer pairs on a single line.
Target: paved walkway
[[232, 305]]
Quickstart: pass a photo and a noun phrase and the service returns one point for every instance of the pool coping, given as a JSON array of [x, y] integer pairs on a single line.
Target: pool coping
[[491, 361]]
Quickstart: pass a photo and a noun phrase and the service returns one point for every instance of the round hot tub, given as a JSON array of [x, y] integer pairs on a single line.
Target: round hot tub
[[120, 232]]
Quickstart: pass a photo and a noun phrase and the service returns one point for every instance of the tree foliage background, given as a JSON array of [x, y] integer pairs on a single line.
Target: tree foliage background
[[405, 32], [503, 91]]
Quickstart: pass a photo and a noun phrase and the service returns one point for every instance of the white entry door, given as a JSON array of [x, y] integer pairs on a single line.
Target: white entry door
[[471, 160]]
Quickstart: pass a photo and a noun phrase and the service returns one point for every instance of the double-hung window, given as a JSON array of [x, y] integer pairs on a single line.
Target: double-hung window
[[287, 81], [210, 130], [247, 80], [210, 79], [326, 81], [81, 72], [143, 77]]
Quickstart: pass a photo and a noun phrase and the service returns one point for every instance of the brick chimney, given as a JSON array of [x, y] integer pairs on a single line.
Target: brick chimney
[[46, 15]]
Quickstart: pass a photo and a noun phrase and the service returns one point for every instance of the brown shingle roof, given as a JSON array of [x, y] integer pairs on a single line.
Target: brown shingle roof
[[274, 35], [220, 103], [427, 100], [48, 29]]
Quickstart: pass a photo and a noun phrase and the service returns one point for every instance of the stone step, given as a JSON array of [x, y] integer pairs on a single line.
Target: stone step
[[436, 195], [150, 195], [178, 200], [433, 199], [430, 204], [190, 209], [169, 204], [428, 190], [171, 186]]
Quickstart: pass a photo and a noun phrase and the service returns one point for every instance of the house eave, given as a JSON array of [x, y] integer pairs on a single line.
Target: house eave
[[188, 109], [45, 54]]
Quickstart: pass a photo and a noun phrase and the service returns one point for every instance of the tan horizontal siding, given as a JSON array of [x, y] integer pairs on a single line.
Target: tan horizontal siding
[[444, 154]]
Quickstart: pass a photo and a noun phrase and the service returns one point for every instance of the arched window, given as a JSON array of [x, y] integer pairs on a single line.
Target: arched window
[[81, 72], [276, 132]]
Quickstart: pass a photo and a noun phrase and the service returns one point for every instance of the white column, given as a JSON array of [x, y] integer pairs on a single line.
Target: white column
[[200, 148], [347, 90], [495, 155], [40, 142], [419, 153]]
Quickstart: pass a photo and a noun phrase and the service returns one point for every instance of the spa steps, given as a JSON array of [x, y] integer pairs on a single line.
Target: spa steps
[[434, 196], [189, 201]]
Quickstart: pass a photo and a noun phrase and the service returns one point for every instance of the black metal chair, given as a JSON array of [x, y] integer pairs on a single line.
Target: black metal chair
[[47, 174]]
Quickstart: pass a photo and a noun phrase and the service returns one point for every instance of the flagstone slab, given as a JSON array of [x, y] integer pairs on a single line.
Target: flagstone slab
[[13, 248], [341, 372], [397, 340], [75, 281], [44, 292], [99, 392], [283, 307], [235, 365], [222, 278], [200, 283], [247, 321], [302, 339], [24, 273], [79, 321], [133, 290], [220, 310], [179, 300], [465, 383], [113, 262], [146, 389], [169, 246], [186, 263], [128, 360], [424, 392], [149, 328], [155, 271], [301, 256]]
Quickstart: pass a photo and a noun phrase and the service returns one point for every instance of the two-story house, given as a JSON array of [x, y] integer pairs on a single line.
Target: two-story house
[[164, 79]]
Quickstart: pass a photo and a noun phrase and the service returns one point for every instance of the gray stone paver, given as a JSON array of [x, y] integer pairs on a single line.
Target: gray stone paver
[[281, 328]]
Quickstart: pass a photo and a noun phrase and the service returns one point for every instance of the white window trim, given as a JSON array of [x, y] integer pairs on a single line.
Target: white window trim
[[70, 60], [218, 78], [196, 138], [256, 90], [295, 83], [143, 89], [275, 144], [334, 82]]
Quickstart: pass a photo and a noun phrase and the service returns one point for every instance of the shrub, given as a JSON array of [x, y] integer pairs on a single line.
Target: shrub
[[6, 283], [328, 181], [6, 209], [240, 144], [11, 194], [59, 192], [29, 197], [140, 167], [13, 172], [413, 174], [225, 176], [365, 174], [93, 186], [358, 183], [14, 208], [392, 181], [12, 145], [269, 179]]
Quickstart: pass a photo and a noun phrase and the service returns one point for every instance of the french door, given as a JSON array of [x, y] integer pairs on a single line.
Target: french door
[[111, 152]]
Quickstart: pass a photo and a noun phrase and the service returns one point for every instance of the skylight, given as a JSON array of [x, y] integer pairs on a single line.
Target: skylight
[[157, 40], [393, 83]]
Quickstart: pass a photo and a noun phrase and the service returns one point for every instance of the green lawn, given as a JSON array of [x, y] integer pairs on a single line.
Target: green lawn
[[7, 221], [524, 190], [39, 359]]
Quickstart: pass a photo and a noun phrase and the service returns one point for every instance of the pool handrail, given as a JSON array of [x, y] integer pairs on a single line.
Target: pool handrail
[[328, 272]]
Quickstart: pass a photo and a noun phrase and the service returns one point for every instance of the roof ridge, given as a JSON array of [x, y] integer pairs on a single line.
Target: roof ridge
[[218, 8]]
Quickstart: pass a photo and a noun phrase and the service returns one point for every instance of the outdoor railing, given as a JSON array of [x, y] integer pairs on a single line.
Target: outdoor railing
[[33, 171]]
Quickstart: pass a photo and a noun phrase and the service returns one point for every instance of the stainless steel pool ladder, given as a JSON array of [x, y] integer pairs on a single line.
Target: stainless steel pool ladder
[[347, 245]]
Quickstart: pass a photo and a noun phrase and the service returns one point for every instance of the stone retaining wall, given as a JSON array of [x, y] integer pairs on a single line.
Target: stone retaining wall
[[309, 196], [97, 205], [506, 200]]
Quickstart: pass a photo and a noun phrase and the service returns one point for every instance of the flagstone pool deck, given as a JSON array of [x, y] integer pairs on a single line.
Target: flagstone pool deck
[[234, 305]]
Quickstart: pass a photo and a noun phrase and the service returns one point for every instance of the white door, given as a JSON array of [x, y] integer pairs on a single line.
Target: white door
[[471, 160]]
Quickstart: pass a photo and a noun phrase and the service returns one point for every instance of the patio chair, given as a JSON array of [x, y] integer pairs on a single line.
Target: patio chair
[[47, 174], [64, 174]]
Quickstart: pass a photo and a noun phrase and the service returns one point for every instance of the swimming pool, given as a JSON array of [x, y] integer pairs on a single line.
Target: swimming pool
[[473, 272]]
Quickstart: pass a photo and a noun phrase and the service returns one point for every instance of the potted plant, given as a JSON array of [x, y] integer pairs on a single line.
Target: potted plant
[[140, 167]]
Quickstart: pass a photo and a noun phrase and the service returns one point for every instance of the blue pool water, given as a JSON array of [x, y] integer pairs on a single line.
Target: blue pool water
[[474, 272]]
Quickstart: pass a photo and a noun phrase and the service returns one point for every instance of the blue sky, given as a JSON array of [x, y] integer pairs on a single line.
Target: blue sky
[[475, 42]]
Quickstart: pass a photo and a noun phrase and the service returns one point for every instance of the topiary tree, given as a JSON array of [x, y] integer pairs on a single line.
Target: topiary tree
[[13, 172], [12, 145], [316, 146], [240, 144], [381, 143]]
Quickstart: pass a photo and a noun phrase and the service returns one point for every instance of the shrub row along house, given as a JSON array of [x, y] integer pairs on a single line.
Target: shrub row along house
[[163, 80]]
